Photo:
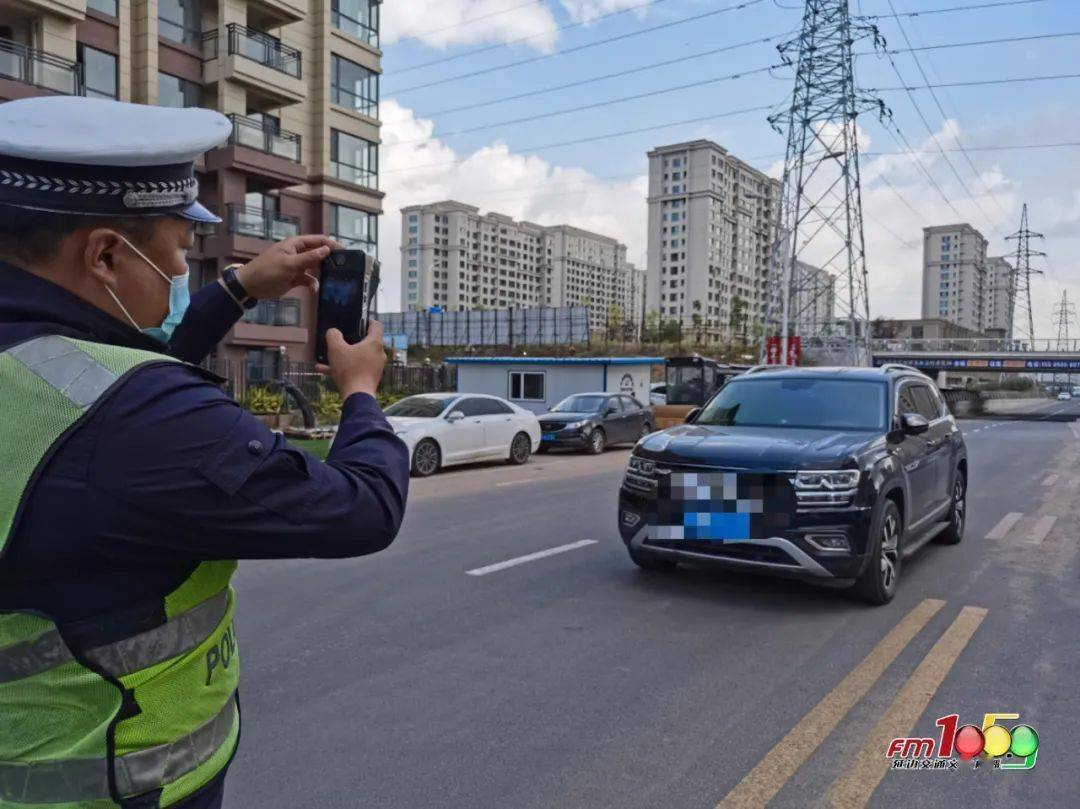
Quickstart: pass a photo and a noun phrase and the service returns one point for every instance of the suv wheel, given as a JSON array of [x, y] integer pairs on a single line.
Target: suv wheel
[[877, 584], [597, 441], [958, 514], [426, 458], [647, 561]]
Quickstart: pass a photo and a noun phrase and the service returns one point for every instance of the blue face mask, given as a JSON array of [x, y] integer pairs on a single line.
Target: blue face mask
[[179, 298]]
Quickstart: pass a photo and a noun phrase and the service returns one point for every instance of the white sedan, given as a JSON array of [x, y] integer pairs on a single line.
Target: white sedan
[[443, 429]]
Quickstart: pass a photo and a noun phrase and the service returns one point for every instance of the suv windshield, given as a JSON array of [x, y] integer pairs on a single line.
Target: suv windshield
[[418, 407], [579, 404], [835, 404]]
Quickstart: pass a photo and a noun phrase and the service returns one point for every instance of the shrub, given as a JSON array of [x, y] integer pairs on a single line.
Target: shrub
[[262, 401], [328, 407]]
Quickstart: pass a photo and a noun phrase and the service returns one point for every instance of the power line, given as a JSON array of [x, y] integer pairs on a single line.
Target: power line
[[945, 116], [976, 82], [930, 129], [902, 140], [630, 71], [929, 11], [583, 107], [519, 40], [592, 138], [471, 20], [577, 48], [1015, 147], [972, 43]]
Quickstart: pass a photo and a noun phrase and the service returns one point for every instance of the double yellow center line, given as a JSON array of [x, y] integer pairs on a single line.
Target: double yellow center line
[[761, 784]]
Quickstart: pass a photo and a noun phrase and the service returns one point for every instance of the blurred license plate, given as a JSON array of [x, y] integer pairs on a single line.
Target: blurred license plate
[[547, 437], [710, 507]]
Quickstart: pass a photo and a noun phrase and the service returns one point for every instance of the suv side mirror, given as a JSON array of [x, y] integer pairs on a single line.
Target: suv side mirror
[[691, 417], [608, 411], [455, 415], [914, 424]]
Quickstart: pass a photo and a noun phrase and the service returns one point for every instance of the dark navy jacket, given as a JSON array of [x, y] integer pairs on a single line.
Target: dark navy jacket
[[170, 471]]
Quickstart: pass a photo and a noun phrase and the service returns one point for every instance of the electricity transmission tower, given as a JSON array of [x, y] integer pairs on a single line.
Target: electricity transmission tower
[[1020, 280], [820, 197], [1064, 314]]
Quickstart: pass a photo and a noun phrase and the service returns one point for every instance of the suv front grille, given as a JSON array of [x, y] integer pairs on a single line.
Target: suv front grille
[[746, 552]]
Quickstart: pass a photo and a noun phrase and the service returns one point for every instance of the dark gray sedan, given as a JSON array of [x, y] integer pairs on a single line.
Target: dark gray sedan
[[592, 421]]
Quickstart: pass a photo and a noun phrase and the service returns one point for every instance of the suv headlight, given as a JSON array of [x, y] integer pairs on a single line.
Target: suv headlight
[[830, 481], [641, 466]]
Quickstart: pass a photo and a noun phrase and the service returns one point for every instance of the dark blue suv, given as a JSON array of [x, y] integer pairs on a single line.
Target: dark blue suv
[[833, 475]]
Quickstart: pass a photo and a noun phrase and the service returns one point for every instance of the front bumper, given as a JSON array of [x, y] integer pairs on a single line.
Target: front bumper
[[564, 439], [797, 551]]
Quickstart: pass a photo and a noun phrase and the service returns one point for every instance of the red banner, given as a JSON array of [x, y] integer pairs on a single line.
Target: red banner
[[773, 350]]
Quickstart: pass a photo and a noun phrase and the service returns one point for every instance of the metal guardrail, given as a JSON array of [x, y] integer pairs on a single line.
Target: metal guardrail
[[255, 45], [974, 345], [247, 221], [263, 137], [32, 66]]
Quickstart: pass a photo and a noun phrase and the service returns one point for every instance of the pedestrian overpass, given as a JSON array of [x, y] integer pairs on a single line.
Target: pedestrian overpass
[[970, 355]]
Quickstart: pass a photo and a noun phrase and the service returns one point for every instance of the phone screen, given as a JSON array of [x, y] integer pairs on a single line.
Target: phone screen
[[347, 289]]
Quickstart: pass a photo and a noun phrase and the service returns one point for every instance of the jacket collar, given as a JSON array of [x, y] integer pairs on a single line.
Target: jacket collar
[[31, 306]]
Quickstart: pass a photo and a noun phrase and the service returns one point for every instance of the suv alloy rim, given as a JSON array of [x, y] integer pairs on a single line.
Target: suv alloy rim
[[597, 441], [427, 458], [520, 449], [959, 505], [890, 552]]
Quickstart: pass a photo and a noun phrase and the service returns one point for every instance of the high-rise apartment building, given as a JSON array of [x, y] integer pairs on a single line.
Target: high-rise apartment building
[[711, 229], [454, 257], [955, 283], [813, 303], [998, 298], [299, 79]]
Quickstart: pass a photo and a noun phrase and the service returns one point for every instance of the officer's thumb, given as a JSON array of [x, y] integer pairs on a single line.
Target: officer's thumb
[[335, 341]]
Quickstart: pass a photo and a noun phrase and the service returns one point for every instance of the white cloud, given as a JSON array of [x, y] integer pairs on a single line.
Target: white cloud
[[495, 179], [589, 10], [445, 23]]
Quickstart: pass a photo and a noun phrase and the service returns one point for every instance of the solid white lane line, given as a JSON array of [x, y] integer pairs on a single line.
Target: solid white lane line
[[1042, 528], [531, 557], [517, 482], [1050, 480], [1005, 525]]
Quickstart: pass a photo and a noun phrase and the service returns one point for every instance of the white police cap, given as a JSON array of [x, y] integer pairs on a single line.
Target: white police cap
[[94, 156]]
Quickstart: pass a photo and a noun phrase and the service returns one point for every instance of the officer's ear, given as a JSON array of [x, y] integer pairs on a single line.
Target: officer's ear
[[101, 252]]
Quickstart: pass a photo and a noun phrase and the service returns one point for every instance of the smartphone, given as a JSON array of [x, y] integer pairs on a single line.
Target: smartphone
[[347, 288]]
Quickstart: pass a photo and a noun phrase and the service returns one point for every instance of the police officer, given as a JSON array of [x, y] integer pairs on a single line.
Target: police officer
[[131, 483]]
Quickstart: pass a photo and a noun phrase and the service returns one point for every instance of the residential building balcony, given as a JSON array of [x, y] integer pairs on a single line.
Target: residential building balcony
[[260, 224], [26, 65], [261, 62], [270, 323], [276, 13], [261, 149], [74, 10]]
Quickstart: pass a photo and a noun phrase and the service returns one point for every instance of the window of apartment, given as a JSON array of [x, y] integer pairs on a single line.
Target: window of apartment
[[274, 312], [104, 6], [355, 160], [262, 364], [354, 86], [99, 72], [178, 20], [527, 386], [354, 228], [172, 91], [358, 18]]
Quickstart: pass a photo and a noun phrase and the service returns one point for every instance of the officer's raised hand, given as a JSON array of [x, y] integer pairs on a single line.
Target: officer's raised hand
[[285, 265], [355, 368]]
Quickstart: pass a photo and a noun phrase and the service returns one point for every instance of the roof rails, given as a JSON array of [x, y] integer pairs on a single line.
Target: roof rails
[[759, 368], [896, 366]]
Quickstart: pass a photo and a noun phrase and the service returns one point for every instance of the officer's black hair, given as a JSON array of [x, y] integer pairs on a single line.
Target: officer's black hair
[[33, 237]]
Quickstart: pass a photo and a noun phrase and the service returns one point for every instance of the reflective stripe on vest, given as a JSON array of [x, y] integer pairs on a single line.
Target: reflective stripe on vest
[[66, 367], [72, 780], [173, 638]]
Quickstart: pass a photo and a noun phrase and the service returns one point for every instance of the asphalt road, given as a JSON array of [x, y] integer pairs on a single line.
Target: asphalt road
[[573, 679]]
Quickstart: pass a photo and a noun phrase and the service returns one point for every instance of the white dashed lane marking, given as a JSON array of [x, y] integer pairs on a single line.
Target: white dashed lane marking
[[1041, 528], [531, 557], [1050, 480], [1005, 525]]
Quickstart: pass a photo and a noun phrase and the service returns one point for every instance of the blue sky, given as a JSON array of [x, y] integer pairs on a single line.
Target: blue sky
[[600, 184]]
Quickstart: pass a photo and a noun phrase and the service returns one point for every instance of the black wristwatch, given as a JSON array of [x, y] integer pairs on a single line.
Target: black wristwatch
[[232, 283]]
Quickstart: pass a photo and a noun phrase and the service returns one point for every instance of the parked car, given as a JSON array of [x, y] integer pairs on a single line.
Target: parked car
[[593, 421], [443, 429], [658, 393], [827, 474], [1064, 396]]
